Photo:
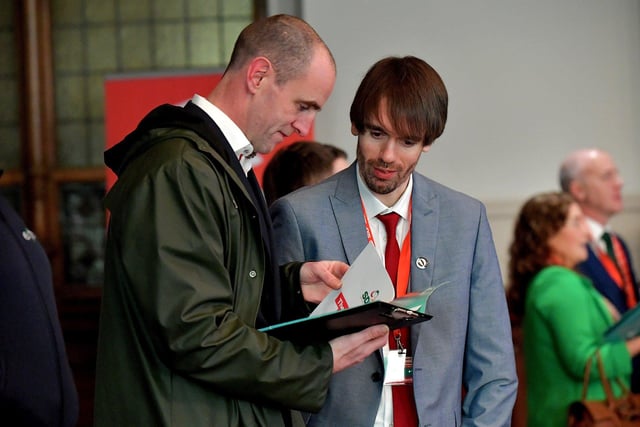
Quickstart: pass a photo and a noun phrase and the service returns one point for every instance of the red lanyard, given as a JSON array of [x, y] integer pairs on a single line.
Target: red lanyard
[[404, 262], [618, 273]]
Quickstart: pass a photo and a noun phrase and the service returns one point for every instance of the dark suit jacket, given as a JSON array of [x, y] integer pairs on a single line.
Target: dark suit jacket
[[594, 269], [36, 385]]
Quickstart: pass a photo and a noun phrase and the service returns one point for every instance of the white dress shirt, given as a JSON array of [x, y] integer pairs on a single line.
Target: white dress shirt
[[597, 230], [373, 207]]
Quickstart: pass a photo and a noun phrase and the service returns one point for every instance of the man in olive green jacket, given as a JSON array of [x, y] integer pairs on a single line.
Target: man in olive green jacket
[[188, 273]]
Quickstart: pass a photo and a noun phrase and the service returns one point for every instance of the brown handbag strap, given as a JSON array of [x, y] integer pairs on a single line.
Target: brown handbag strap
[[585, 381], [603, 378], [623, 386]]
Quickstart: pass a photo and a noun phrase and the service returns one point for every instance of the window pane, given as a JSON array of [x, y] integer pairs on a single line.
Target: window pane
[[137, 55], [93, 39], [100, 11], [170, 46], [236, 8], [204, 8], [134, 10], [172, 9], [73, 146], [70, 97], [67, 11], [101, 47], [203, 43], [83, 228], [68, 52]]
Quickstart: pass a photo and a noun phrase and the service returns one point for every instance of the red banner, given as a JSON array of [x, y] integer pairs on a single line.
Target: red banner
[[129, 98]]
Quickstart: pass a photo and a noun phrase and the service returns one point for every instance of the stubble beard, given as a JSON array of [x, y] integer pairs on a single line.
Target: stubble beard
[[368, 176]]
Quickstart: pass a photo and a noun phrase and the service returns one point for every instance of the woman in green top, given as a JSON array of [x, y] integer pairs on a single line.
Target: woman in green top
[[563, 317]]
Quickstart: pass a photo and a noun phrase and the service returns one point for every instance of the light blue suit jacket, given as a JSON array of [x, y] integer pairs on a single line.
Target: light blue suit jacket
[[467, 343]]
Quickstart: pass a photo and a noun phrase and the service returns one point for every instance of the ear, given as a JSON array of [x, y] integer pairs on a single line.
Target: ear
[[354, 130], [426, 148], [259, 68], [576, 189]]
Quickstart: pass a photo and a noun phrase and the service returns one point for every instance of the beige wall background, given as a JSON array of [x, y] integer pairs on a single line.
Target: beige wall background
[[528, 81]]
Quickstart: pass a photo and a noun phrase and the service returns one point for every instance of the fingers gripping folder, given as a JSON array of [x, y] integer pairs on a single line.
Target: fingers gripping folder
[[365, 299]]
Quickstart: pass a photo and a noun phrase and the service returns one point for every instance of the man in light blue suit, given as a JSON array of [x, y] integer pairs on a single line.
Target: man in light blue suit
[[463, 361]]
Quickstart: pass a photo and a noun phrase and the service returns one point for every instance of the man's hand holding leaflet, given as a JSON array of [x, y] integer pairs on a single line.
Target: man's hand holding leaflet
[[366, 298]]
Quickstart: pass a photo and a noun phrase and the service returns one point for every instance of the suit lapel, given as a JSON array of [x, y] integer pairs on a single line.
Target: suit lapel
[[424, 234], [594, 269], [347, 208]]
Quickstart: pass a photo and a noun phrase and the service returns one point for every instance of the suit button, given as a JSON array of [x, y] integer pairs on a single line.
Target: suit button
[[253, 274], [376, 377]]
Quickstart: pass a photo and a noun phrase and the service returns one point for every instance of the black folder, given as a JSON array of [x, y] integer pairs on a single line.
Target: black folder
[[328, 326]]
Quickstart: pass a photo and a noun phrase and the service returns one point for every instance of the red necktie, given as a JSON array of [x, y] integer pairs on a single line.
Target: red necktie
[[404, 409], [392, 251]]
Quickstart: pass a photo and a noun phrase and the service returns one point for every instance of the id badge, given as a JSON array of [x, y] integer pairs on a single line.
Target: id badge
[[398, 368]]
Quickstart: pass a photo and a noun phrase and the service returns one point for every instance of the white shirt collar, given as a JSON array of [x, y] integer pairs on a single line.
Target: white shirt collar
[[596, 229], [237, 139], [596, 233]]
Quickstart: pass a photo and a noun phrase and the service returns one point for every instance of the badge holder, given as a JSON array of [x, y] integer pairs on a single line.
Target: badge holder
[[398, 365]]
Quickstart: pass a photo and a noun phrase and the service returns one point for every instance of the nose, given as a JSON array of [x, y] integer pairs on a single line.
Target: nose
[[303, 124], [387, 151]]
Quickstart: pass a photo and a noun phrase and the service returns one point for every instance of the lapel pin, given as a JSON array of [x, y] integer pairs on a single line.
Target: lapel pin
[[422, 262]]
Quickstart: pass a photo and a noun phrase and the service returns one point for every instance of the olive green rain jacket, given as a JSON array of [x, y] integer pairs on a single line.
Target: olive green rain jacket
[[185, 271]]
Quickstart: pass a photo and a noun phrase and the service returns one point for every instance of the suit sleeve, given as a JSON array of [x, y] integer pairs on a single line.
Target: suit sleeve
[[288, 238], [489, 364], [36, 382]]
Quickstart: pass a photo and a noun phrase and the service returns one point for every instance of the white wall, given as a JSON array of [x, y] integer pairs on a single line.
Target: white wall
[[528, 82]]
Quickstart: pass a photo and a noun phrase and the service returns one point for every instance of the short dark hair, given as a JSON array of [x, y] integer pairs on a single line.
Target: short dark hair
[[336, 152], [287, 41], [297, 165], [415, 95]]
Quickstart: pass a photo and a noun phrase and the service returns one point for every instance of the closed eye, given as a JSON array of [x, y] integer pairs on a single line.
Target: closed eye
[[308, 106]]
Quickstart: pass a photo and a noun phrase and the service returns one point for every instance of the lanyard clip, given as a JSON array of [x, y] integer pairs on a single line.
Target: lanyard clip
[[396, 335]]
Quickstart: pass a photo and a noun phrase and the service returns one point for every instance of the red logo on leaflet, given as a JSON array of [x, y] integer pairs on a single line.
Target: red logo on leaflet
[[341, 302]]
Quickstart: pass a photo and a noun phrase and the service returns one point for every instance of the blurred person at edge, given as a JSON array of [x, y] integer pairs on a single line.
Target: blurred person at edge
[[36, 383], [300, 164], [563, 317]]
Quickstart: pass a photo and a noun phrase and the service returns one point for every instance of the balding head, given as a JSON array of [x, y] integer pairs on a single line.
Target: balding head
[[287, 41], [280, 75], [592, 178]]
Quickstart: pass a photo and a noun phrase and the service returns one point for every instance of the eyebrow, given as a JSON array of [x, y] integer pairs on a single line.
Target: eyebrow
[[375, 127]]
